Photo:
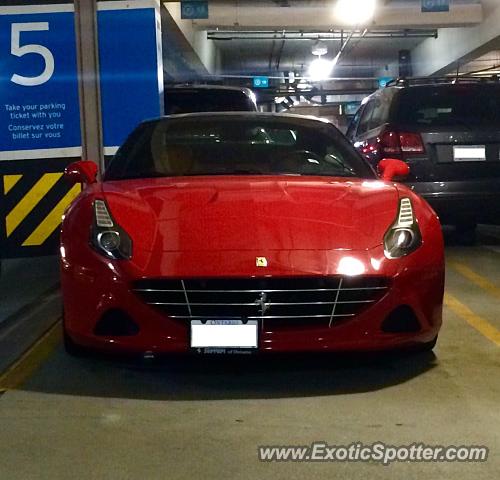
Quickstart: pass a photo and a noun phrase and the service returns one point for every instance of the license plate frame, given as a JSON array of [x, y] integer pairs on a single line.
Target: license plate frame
[[216, 336]]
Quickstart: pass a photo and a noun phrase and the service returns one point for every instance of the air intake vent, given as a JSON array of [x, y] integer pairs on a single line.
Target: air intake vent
[[405, 218], [102, 216]]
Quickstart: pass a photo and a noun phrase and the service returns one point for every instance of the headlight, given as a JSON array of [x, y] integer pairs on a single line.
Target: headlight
[[107, 237], [403, 237]]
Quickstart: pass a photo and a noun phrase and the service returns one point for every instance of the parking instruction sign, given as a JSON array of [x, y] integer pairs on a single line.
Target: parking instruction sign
[[39, 107]]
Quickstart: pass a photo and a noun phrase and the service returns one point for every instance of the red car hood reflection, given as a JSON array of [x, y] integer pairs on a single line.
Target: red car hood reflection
[[252, 212]]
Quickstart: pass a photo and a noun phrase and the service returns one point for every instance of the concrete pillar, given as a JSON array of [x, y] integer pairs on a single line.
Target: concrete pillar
[[88, 80], [438, 56]]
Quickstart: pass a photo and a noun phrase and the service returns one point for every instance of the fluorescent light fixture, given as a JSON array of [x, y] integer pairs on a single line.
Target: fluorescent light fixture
[[355, 12], [302, 85]]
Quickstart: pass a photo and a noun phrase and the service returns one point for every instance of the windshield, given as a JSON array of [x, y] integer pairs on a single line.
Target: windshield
[[461, 105], [234, 146]]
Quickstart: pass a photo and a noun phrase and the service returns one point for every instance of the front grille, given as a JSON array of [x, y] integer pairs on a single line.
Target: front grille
[[278, 302]]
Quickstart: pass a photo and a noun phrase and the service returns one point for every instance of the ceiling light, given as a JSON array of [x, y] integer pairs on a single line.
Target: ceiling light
[[319, 48], [320, 69], [355, 12]]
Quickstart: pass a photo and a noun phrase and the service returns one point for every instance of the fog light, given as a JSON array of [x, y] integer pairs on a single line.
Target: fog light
[[116, 323], [401, 320]]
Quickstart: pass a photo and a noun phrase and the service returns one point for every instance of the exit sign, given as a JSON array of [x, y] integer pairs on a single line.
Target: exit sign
[[194, 9], [435, 6]]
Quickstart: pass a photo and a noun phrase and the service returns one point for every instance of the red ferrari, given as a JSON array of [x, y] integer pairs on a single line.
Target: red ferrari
[[247, 232]]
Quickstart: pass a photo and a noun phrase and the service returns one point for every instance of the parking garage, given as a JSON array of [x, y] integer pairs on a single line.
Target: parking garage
[[249, 239]]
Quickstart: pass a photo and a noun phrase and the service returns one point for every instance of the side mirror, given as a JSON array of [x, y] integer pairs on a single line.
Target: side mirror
[[390, 168], [83, 171]]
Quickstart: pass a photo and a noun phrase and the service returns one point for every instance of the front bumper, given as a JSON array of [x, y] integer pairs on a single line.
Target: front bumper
[[417, 281]]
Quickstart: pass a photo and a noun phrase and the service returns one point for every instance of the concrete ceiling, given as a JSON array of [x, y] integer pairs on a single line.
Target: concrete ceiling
[[272, 55], [362, 58]]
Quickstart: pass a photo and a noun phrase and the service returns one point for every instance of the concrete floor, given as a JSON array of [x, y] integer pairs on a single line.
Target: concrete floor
[[24, 280], [29, 303], [102, 419]]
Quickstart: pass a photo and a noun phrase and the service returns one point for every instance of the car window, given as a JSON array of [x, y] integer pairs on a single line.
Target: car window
[[464, 106], [351, 131], [364, 123], [379, 114], [191, 101], [226, 146]]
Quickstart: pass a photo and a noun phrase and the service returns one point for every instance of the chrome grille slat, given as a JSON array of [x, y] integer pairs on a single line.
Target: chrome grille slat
[[193, 304], [332, 316], [280, 303], [205, 317], [186, 297], [256, 291]]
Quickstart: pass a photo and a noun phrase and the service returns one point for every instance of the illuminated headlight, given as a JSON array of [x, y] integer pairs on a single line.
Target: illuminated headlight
[[107, 237], [403, 237]]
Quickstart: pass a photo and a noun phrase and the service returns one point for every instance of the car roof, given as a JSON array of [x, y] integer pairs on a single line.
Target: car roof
[[222, 88], [295, 118], [392, 90]]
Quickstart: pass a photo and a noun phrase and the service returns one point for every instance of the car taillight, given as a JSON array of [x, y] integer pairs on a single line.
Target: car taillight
[[411, 142], [389, 143], [395, 143]]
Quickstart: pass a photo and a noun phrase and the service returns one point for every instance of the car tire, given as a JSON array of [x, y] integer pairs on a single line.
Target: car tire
[[428, 346], [466, 234], [73, 348]]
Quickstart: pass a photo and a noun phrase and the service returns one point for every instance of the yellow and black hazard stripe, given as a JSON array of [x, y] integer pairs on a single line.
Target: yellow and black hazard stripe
[[33, 202]]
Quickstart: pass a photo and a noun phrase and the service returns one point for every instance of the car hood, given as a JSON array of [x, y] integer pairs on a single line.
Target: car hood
[[252, 212]]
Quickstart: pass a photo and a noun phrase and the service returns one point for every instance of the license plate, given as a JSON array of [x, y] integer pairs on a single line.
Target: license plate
[[469, 153], [224, 334]]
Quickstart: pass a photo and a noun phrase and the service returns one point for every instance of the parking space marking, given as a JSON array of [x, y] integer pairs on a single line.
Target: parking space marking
[[475, 278], [479, 323], [21, 370]]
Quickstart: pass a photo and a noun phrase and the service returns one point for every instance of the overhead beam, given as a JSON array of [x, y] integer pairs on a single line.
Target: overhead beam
[[201, 53], [245, 14]]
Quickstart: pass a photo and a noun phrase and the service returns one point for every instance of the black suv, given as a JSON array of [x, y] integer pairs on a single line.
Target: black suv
[[448, 131], [208, 98]]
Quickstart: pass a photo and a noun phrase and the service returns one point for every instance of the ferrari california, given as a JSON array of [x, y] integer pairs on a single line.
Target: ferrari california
[[247, 232]]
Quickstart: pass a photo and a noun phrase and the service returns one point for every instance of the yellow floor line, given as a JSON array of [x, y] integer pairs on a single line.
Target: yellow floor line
[[479, 323], [21, 370], [474, 277]]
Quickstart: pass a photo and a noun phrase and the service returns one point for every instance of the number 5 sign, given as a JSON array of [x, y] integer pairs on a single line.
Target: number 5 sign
[[18, 50], [39, 107]]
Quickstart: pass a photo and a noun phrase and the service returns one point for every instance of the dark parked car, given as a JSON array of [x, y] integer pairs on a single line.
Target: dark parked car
[[449, 134], [208, 98]]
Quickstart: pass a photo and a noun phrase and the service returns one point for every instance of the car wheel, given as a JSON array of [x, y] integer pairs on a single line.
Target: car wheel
[[466, 233], [73, 348], [429, 346]]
